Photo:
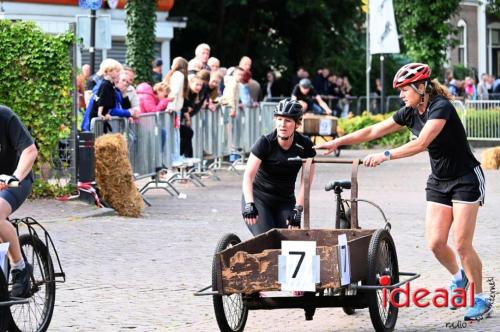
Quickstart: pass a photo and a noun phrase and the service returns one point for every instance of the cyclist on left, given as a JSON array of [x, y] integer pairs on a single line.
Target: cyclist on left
[[17, 156]]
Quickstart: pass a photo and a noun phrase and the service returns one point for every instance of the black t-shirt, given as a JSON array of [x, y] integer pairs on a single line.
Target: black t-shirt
[[276, 176], [14, 138], [449, 152], [308, 98], [104, 97], [92, 81]]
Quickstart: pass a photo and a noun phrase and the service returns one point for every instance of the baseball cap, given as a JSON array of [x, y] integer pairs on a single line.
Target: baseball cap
[[305, 83]]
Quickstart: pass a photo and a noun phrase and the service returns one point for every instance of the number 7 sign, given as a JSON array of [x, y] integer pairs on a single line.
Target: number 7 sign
[[298, 266]]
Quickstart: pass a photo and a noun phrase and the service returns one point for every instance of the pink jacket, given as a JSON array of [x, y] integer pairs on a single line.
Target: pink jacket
[[148, 101]]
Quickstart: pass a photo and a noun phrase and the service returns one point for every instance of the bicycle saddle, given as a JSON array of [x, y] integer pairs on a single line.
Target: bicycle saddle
[[345, 184]]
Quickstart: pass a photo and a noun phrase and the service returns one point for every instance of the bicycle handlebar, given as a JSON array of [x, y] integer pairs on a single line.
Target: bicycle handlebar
[[12, 184]]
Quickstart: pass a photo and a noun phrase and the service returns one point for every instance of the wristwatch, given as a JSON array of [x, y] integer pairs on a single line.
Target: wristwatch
[[387, 154]]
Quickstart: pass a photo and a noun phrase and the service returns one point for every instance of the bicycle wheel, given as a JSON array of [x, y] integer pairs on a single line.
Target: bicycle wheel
[[230, 312], [37, 313], [4, 296], [382, 260]]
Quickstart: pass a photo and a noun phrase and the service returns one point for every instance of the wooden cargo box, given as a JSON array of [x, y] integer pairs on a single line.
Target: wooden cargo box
[[252, 266], [318, 125]]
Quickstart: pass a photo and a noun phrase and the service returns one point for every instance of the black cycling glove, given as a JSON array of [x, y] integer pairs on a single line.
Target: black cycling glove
[[250, 211], [295, 216]]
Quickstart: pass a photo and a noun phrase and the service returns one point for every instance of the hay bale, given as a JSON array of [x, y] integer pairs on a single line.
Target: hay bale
[[491, 158], [114, 175]]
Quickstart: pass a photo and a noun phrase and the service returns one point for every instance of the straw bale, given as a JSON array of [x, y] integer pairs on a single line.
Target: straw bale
[[114, 175], [491, 158]]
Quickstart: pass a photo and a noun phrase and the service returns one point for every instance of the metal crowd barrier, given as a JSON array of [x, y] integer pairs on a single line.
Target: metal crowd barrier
[[481, 119]]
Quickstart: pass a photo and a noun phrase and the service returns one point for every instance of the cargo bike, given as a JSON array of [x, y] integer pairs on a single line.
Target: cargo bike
[[349, 268]]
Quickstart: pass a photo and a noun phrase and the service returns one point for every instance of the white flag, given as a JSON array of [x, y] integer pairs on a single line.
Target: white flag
[[383, 30]]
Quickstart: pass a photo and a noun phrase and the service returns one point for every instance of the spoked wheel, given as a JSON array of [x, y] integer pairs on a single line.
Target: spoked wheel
[[37, 313], [382, 261], [230, 312], [4, 296]]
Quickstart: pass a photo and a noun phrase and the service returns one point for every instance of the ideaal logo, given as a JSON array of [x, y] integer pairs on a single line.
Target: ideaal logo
[[440, 298]]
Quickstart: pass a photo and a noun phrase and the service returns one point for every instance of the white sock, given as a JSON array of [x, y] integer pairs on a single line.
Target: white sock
[[19, 265], [458, 276]]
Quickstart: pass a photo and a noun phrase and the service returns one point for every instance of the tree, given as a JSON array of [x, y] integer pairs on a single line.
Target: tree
[[141, 23], [425, 28]]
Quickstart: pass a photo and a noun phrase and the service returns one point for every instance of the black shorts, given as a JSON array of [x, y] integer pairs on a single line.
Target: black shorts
[[16, 196], [468, 188]]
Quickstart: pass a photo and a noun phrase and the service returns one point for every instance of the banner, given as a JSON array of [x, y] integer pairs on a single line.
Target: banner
[[383, 30]]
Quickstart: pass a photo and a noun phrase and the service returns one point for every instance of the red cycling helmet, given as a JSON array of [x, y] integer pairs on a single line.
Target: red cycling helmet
[[411, 73]]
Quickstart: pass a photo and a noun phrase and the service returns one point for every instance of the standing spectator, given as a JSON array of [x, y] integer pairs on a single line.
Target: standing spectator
[[271, 86], [123, 107], [245, 96], [213, 90], [157, 75], [470, 91], [176, 78], [230, 101], [453, 87], [322, 83], [191, 107], [309, 99], [104, 95], [131, 93], [202, 53], [335, 91], [214, 64], [194, 66], [81, 80], [153, 99], [483, 86], [300, 74], [253, 85]]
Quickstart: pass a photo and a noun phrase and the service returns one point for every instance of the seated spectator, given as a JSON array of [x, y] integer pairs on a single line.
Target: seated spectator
[[153, 99], [309, 99]]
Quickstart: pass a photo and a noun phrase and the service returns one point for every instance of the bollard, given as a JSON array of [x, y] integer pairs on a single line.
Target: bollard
[[86, 157]]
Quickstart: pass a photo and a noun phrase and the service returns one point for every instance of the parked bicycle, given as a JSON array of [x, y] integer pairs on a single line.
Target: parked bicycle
[[33, 313]]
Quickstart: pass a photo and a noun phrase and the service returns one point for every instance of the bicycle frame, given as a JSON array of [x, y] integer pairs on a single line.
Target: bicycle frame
[[32, 226]]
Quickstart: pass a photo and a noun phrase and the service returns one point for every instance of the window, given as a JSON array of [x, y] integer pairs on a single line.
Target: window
[[495, 37], [462, 39]]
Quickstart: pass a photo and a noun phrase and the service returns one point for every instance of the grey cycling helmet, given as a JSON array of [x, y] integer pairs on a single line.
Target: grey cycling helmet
[[289, 108]]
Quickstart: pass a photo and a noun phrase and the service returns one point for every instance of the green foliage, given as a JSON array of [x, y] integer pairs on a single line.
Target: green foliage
[[349, 125], [43, 189], [460, 72], [425, 28], [493, 9], [141, 23], [36, 81]]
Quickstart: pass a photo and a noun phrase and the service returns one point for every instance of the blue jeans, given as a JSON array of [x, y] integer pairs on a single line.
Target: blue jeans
[[315, 108]]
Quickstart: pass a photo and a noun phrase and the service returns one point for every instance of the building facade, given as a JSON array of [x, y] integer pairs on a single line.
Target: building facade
[[55, 16], [479, 39]]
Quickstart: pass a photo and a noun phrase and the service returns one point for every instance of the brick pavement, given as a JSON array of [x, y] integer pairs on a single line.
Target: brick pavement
[[140, 273]]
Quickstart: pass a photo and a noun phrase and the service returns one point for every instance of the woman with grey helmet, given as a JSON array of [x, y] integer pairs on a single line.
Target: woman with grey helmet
[[269, 181]]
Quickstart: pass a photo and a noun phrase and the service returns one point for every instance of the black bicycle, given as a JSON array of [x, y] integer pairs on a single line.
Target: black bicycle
[[33, 313]]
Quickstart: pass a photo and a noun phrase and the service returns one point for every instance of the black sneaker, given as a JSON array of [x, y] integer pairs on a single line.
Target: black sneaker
[[21, 282]]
